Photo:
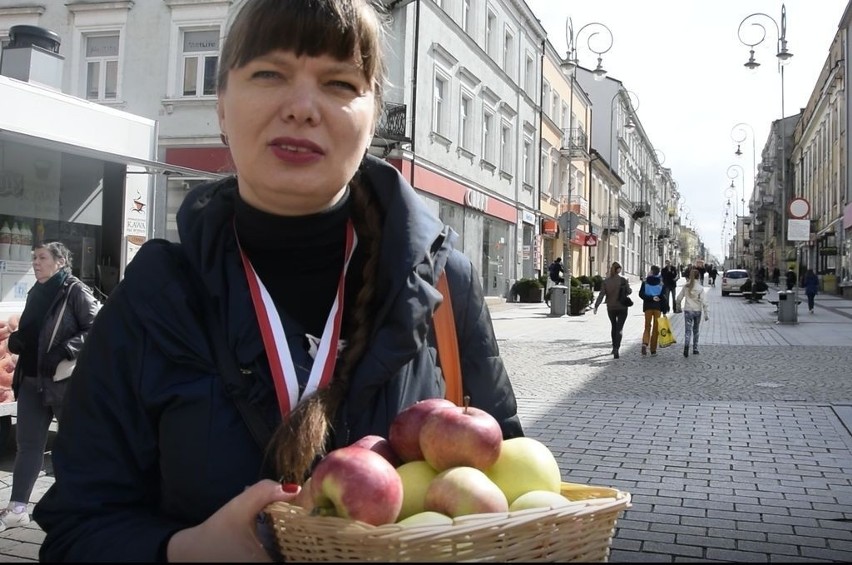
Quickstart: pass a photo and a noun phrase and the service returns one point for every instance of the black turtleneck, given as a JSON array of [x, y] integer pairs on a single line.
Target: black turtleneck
[[299, 259]]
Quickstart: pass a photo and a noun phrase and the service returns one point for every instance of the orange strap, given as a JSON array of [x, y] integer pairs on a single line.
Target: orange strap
[[448, 344]]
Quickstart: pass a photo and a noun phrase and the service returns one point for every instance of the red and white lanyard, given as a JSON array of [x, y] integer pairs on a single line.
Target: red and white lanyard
[[275, 340]]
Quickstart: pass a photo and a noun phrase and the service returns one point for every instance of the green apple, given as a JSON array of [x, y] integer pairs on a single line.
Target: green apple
[[426, 518], [525, 464], [416, 476], [460, 491], [539, 499]]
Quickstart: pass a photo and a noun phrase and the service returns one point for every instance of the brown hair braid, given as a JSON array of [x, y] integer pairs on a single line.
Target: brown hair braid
[[304, 434]]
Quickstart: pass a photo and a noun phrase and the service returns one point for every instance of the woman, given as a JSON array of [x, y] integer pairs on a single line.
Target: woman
[[615, 288], [57, 316], [811, 288], [157, 462], [693, 302], [653, 305]]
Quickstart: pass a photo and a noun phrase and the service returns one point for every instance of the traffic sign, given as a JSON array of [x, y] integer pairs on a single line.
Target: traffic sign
[[799, 208]]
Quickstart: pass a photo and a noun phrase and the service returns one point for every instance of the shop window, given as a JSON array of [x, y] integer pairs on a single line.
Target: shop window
[[200, 57], [102, 53]]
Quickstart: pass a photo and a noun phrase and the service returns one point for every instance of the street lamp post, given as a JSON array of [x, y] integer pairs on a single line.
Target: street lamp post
[[614, 158], [739, 134], [731, 193], [596, 31], [783, 56], [732, 174]]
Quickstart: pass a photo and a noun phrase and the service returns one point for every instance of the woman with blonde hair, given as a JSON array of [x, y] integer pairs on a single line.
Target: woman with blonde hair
[[693, 302], [615, 289]]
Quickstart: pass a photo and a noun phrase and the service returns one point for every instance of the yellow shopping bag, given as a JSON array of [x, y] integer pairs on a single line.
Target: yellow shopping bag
[[666, 337]]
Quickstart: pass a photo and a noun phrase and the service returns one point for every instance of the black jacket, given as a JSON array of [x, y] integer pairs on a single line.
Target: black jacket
[[151, 442], [648, 300], [70, 336]]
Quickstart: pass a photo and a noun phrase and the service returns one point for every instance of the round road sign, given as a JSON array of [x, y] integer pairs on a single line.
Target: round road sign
[[799, 208]]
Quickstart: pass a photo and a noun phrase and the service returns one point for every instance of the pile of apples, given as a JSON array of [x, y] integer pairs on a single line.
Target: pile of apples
[[439, 461]]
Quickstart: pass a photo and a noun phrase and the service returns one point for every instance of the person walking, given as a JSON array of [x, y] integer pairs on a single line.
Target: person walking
[[776, 276], [653, 304], [811, 288], [693, 302], [790, 277], [714, 272], [57, 315], [670, 277], [202, 395], [615, 289]]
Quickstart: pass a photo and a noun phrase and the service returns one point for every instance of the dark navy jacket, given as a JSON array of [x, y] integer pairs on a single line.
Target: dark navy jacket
[[150, 441], [654, 282]]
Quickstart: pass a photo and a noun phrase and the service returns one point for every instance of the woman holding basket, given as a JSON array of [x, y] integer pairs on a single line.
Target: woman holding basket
[[312, 241]]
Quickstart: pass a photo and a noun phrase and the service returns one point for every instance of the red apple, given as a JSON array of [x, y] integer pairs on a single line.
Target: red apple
[[464, 490], [381, 446], [461, 437], [359, 484], [404, 433]]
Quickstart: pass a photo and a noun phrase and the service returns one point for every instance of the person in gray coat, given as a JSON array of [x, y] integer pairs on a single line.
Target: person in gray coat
[[614, 290]]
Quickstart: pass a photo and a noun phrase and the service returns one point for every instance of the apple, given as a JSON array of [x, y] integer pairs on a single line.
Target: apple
[[460, 437], [525, 464], [464, 490], [381, 446], [415, 476], [426, 518], [404, 432], [539, 499], [359, 484]]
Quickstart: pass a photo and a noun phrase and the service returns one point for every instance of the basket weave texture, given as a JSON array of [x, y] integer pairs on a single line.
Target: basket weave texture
[[581, 531]]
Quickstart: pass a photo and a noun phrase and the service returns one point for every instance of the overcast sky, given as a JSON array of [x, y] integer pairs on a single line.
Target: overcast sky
[[684, 61]]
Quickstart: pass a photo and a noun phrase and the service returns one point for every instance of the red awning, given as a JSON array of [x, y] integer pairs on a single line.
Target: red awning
[[211, 159]]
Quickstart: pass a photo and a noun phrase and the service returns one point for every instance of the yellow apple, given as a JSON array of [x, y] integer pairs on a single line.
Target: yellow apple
[[525, 464], [416, 476], [426, 518], [460, 491], [539, 499]]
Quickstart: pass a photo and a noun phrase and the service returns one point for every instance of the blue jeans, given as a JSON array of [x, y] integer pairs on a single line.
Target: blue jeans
[[691, 322]]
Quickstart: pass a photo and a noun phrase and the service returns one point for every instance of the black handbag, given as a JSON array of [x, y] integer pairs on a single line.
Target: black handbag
[[623, 299]]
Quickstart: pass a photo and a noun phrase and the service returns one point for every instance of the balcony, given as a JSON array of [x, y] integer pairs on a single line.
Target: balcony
[[574, 144], [663, 233], [391, 126], [612, 224], [640, 210]]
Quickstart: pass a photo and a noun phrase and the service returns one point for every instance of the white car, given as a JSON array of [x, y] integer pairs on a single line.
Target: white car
[[733, 280]]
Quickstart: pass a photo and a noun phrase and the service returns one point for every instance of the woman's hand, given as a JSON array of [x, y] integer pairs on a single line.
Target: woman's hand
[[5, 330], [230, 535]]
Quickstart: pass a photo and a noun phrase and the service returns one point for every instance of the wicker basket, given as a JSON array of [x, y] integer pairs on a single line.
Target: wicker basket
[[581, 531]]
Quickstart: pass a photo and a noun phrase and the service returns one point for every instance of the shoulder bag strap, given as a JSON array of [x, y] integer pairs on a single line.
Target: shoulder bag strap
[[58, 319], [448, 344]]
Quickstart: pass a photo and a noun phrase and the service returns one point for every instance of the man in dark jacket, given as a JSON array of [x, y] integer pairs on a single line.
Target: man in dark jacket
[[670, 277], [653, 304]]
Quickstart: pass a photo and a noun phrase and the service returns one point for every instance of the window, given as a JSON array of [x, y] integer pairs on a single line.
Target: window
[[466, 15], [439, 109], [529, 162], [554, 178], [490, 37], [529, 75], [555, 109], [506, 148], [488, 136], [200, 60], [545, 98], [508, 53], [102, 67], [465, 123]]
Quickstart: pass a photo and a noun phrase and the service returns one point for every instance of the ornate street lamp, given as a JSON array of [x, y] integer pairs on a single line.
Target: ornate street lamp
[[783, 56], [739, 133], [596, 32]]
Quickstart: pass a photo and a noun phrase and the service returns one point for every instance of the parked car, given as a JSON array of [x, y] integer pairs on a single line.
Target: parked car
[[733, 280]]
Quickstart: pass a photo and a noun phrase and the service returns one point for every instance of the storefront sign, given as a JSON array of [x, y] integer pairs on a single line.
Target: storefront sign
[[828, 251], [476, 200], [528, 217], [549, 227]]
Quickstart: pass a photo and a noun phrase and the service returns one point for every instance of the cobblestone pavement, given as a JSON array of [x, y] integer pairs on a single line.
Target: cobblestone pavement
[[739, 454]]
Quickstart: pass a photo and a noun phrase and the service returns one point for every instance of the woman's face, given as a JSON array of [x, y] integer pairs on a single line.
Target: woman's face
[[297, 128], [45, 265]]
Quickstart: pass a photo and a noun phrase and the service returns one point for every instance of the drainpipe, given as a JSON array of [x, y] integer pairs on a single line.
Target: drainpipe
[[414, 88], [540, 132]]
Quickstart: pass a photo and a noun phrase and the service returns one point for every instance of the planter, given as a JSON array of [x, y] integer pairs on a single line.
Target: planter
[[531, 295]]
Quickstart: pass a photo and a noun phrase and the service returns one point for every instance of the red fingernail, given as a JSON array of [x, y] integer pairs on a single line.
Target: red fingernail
[[290, 488]]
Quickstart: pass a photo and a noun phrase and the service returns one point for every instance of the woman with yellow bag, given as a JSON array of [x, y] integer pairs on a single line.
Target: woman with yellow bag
[[692, 302]]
